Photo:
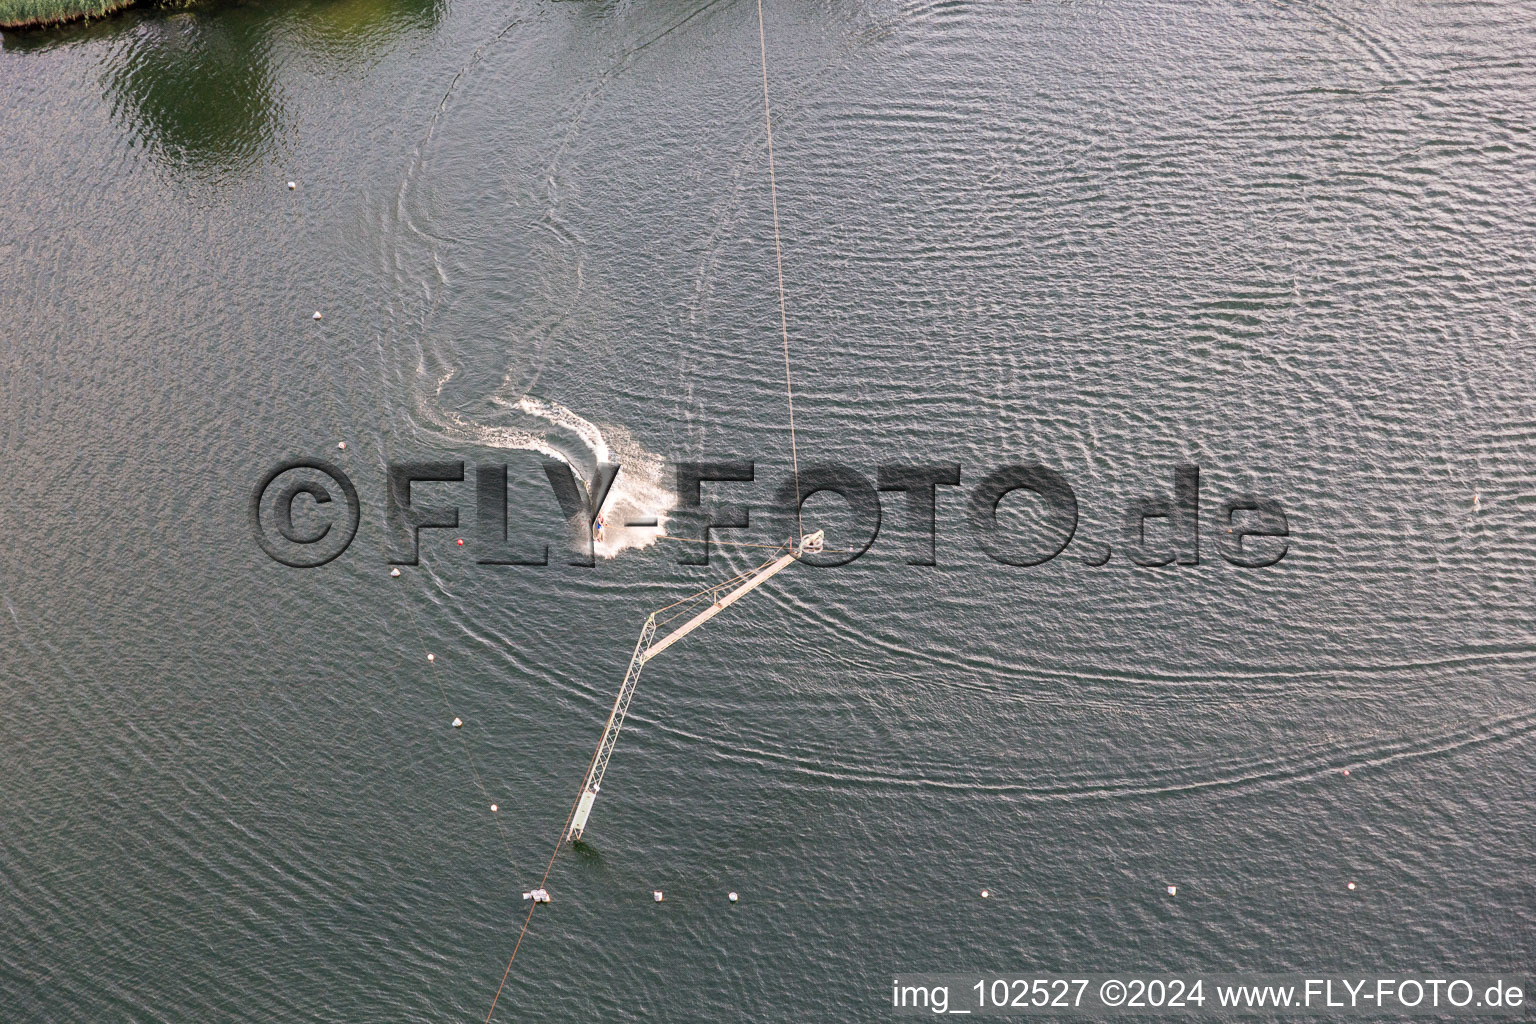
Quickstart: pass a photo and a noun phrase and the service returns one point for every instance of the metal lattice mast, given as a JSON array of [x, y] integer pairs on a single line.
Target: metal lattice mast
[[594, 780], [646, 648], [621, 705]]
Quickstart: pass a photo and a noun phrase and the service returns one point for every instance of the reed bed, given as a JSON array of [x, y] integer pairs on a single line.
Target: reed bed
[[25, 13]]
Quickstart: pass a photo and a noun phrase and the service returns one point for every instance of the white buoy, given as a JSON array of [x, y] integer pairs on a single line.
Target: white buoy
[[986, 894], [342, 445], [733, 897], [458, 723], [493, 808], [432, 657], [1351, 886], [292, 186], [656, 895], [318, 316], [1173, 890], [394, 572]]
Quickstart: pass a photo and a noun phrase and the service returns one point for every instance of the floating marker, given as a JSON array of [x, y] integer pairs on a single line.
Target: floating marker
[[461, 542], [1346, 771], [493, 808], [292, 186], [986, 894], [318, 316], [656, 895], [431, 657], [342, 445], [1350, 886], [1173, 890], [394, 572], [733, 897], [458, 723]]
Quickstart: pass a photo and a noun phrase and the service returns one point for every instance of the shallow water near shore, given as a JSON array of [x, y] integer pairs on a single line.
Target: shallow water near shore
[[1287, 244]]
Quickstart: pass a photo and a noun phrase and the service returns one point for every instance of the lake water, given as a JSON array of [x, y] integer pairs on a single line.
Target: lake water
[[1287, 243]]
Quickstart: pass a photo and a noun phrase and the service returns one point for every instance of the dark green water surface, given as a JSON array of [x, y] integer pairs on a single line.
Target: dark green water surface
[[1290, 243]]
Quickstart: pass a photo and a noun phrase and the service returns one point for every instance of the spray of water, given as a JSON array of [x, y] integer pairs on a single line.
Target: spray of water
[[529, 423]]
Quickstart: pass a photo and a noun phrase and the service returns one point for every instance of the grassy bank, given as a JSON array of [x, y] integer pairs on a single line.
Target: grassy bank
[[22, 13]]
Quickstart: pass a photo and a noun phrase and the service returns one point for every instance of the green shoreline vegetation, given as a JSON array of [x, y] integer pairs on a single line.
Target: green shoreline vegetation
[[30, 13]]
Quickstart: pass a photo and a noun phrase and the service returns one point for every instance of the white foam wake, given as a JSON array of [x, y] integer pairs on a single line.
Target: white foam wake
[[549, 428], [639, 492]]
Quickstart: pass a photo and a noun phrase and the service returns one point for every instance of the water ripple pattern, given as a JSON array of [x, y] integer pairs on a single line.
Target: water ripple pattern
[[1289, 243]]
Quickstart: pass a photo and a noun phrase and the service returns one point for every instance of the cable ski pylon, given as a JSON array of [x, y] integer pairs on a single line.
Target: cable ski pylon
[[647, 647], [719, 597], [594, 779]]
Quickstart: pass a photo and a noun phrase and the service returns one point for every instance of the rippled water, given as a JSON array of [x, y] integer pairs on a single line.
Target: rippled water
[[1288, 243]]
